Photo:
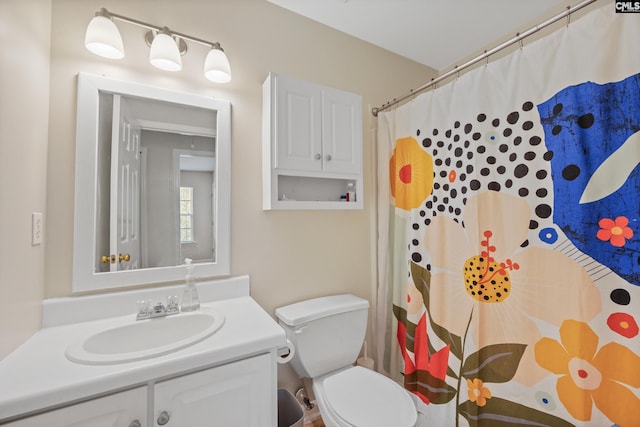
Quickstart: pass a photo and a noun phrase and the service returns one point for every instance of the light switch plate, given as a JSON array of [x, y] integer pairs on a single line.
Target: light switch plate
[[36, 228]]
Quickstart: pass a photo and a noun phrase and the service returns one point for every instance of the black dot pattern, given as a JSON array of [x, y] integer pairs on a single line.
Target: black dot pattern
[[620, 296], [489, 152]]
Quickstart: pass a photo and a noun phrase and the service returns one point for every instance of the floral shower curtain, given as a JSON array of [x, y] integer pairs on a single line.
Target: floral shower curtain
[[510, 235]]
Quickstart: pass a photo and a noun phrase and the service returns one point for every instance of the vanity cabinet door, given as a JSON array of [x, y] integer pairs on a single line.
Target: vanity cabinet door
[[238, 394], [124, 409]]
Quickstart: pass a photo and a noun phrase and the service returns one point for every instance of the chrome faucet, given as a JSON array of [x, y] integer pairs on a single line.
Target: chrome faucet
[[147, 310]]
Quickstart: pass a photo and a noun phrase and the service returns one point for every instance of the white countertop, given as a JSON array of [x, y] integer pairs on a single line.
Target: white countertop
[[38, 375]]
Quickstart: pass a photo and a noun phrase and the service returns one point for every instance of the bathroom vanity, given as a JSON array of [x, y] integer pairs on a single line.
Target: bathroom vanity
[[226, 378]]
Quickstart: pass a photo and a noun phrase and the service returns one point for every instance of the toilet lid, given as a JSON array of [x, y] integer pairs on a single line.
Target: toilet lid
[[364, 398]]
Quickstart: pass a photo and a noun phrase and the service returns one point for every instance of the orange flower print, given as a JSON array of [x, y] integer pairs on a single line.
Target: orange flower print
[[616, 232], [411, 174], [478, 393], [590, 376]]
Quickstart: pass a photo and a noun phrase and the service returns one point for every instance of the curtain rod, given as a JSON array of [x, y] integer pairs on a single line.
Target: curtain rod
[[517, 38]]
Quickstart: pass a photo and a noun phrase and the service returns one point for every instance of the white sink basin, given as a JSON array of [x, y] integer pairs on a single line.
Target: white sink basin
[[133, 340]]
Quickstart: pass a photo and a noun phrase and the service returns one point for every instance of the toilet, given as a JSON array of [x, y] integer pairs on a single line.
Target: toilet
[[327, 334]]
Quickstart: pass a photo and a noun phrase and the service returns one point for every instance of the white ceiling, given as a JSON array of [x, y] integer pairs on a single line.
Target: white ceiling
[[436, 33]]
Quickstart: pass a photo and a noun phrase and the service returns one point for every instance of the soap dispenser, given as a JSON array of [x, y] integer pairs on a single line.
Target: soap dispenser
[[190, 299]]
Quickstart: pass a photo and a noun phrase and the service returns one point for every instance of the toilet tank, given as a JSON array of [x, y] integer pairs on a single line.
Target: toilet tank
[[327, 332]]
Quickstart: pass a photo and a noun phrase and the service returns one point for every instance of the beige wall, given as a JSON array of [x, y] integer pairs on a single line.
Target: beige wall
[[290, 255], [24, 106]]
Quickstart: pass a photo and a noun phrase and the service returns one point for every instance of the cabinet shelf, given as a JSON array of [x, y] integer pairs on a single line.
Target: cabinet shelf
[[312, 145]]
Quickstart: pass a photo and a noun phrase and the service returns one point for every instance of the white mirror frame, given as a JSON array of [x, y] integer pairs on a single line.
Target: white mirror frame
[[86, 180]]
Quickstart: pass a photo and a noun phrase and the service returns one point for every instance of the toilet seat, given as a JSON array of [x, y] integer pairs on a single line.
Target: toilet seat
[[360, 397]]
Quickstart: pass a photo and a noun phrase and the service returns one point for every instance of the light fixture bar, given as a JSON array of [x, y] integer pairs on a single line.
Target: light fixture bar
[[157, 28], [166, 46]]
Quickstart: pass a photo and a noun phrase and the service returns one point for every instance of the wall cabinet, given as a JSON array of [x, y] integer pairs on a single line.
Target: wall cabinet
[[237, 394], [312, 145]]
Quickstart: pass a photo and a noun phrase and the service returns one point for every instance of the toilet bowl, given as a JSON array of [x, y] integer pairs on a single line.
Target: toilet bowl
[[327, 334], [360, 397]]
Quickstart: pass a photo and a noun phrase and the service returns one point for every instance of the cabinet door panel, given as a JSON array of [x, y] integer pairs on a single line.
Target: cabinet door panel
[[116, 410], [298, 129], [238, 394], [341, 131]]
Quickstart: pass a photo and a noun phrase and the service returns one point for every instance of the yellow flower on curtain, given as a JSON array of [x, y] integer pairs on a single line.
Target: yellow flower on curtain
[[590, 376], [483, 282], [411, 174], [477, 392]]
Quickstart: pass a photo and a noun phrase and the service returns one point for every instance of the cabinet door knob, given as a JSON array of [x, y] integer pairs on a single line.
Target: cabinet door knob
[[328, 156], [163, 418], [318, 156], [135, 423]]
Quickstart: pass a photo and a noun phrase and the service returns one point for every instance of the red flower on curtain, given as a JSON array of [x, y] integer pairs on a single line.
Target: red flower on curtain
[[624, 324], [421, 363], [616, 232]]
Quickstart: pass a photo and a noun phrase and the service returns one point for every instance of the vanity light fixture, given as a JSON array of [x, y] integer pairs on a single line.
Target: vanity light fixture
[[103, 37], [164, 52], [166, 46], [216, 65]]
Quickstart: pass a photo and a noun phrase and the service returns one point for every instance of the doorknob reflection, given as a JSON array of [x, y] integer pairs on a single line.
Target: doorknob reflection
[[106, 259]]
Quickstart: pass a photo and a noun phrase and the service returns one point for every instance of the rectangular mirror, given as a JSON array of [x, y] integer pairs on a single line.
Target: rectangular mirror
[[152, 185]]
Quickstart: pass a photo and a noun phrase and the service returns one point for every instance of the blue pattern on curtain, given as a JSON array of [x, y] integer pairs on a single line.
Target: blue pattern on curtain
[[511, 234], [606, 119]]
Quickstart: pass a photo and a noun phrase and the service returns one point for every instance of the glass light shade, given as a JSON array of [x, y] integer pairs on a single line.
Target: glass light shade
[[103, 38], [216, 66], [164, 53]]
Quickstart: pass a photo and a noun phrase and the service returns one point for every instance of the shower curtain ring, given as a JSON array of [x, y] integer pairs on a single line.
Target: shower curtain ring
[[520, 40], [568, 16]]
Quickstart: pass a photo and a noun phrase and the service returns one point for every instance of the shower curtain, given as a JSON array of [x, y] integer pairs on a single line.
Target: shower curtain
[[509, 250]]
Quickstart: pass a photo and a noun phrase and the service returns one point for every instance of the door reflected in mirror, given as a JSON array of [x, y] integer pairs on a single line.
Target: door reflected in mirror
[[155, 165]]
